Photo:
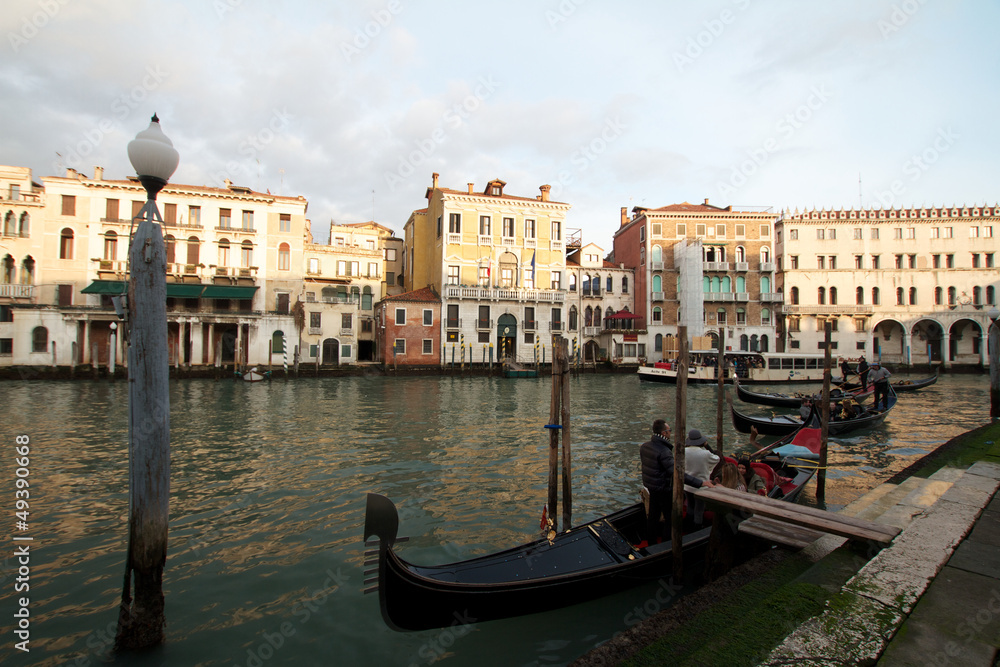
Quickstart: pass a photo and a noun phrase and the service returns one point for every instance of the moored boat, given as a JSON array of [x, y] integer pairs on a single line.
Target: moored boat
[[748, 367], [781, 425], [795, 400], [897, 386], [589, 561]]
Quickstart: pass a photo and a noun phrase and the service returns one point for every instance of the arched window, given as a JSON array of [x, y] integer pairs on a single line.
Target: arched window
[[875, 297], [765, 255], [833, 296], [193, 251], [658, 343], [720, 316], [28, 271], [624, 284], [170, 246], [765, 284], [990, 295], [716, 284], [859, 296], [10, 224], [821, 296], [597, 317], [741, 284], [938, 296], [726, 285], [657, 284], [952, 296], [366, 298], [40, 339], [585, 285], [573, 315], [745, 343], [8, 270], [913, 296], [706, 284], [657, 314], [329, 294], [608, 313], [278, 342], [764, 344], [25, 230], [765, 317], [572, 282], [741, 254], [111, 246], [656, 254], [611, 285], [588, 317], [66, 244], [246, 254], [794, 296], [899, 296], [741, 317], [595, 286], [223, 252], [284, 257], [356, 294]]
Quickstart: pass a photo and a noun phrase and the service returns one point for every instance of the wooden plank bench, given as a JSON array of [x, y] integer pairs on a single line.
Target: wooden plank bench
[[799, 515]]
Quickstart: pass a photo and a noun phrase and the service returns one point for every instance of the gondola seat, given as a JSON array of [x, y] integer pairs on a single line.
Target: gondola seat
[[766, 473]]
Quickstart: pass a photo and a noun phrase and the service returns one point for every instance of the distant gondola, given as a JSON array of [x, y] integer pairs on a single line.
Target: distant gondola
[[795, 400], [898, 386], [781, 425], [587, 562]]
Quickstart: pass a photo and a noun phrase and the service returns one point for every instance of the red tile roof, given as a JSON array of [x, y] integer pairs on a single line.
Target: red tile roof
[[422, 295]]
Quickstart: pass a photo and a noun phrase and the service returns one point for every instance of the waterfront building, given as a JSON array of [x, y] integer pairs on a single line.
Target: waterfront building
[[409, 328], [907, 286], [704, 267], [601, 320], [234, 262], [498, 262]]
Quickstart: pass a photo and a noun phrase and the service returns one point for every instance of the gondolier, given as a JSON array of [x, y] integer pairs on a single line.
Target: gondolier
[[863, 373], [880, 379], [657, 457]]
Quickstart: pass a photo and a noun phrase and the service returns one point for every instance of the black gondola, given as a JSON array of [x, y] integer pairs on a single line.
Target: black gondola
[[781, 425], [898, 386], [795, 400], [587, 562]]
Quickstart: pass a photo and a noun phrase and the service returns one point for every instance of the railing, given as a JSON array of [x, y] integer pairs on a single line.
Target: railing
[[110, 266], [484, 325], [485, 239], [116, 221], [742, 267], [592, 331], [555, 245], [17, 291], [772, 296], [656, 266], [509, 241], [716, 266], [657, 296], [742, 296], [766, 267], [185, 225], [503, 294], [530, 243], [555, 326], [454, 239], [720, 296], [315, 330], [238, 230], [824, 310], [529, 325]]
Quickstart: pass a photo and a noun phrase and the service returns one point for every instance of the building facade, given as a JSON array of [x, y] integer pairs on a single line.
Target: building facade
[[499, 263], [703, 267], [409, 328], [601, 323], [907, 286]]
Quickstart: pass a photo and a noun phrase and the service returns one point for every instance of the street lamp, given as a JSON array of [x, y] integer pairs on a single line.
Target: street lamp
[[140, 618], [993, 346]]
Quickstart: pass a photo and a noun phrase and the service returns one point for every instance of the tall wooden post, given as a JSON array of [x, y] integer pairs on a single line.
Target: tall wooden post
[[993, 343], [567, 467], [720, 368], [680, 431], [825, 418], [554, 414], [140, 619]]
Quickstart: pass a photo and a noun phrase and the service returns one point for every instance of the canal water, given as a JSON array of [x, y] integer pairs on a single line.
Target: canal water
[[268, 494]]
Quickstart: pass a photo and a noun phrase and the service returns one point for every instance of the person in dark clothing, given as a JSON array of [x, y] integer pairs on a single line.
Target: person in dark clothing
[[863, 373], [657, 457], [845, 368], [880, 378]]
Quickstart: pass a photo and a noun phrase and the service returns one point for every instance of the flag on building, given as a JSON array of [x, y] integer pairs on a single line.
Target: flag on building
[[533, 267]]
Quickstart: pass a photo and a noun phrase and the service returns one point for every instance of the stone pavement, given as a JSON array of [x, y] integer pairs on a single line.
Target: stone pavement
[[921, 601]]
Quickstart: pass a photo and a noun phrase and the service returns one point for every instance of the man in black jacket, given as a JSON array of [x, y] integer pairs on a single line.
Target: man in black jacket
[[657, 457]]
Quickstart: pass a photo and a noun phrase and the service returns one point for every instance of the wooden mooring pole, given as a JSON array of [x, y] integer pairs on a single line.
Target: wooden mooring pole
[[553, 427], [567, 466], [825, 418], [680, 435], [720, 368], [141, 618]]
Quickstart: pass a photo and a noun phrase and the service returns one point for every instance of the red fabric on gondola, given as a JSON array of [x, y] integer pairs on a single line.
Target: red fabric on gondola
[[809, 438]]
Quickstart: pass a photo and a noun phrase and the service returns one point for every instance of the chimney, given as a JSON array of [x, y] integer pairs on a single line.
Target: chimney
[[471, 185], [98, 173], [70, 172], [434, 180], [624, 215], [706, 201], [228, 183], [545, 191]]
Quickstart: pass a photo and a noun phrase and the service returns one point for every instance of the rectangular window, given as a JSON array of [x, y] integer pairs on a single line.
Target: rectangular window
[[657, 230], [111, 210], [452, 275], [897, 233], [483, 337], [484, 318], [390, 277], [341, 267], [315, 320], [439, 227], [529, 228], [820, 262], [682, 230], [765, 231], [346, 320], [137, 208], [556, 230], [556, 280], [225, 218], [246, 255], [820, 234], [310, 297], [899, 261], [741, 231], [936, 261], [720, 231], [874, 234], [876, 261], [701, 230], [399, 346], [452, 322], [793, 235], [68, 205], [859, 261], [484, 225], [428, 346], [911, 261], [973, 232], [6, 347], [508, 227], [170, 214], [367, 325], [833, 262], [285, 222], [529, 318], [949, 261], [557, 319], [987, 232], [373, 269], [194, 216], [642, 234], [858, 233], [248, 220], [794, 260], [911, 233], [484, 275], [935, 232], [949, 232], [390, 254], [989, 260], [831, 234], [454, 223], [401, 316], [428, 317]]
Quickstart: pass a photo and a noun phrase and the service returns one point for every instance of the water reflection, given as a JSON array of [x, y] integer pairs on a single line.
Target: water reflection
[[268, 489]]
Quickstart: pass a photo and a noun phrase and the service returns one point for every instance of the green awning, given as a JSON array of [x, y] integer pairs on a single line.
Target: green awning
[[228, 292], [105, 287], [182, 291]]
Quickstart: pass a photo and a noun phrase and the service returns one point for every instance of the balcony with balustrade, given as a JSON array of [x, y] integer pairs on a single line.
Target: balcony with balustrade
[[516, 294], [11, 291], [715, 266], [772, 297], [720, 296]]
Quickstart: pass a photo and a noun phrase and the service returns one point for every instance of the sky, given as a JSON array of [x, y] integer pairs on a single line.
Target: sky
[[353, 105]]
